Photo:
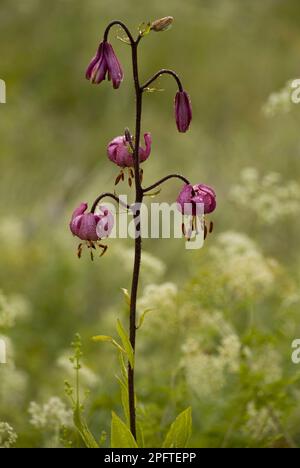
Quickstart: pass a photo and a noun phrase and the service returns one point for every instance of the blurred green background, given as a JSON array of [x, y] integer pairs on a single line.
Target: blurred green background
[[219, 337]]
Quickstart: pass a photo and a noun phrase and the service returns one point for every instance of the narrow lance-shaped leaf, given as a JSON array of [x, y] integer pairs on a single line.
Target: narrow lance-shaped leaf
[[126, 343], [180, 431], [108, 339], [83, 429], [124, 399], [126, 296], [121, 436], [142, 317]]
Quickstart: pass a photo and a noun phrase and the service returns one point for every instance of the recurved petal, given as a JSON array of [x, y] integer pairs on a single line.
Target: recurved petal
[[87, 229]]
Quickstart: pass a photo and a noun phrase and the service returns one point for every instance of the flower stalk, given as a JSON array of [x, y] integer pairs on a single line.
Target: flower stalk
[[126, 152]]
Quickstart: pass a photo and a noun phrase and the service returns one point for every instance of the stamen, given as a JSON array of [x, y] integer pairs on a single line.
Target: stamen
[[79, 251], [118, 179], [194, 223], [211, 227], [104, 249]]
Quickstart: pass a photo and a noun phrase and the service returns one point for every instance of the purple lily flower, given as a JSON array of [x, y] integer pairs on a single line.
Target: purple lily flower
[[191, 196], [105, 63], [89, 226], [183, 111], [120, 152]]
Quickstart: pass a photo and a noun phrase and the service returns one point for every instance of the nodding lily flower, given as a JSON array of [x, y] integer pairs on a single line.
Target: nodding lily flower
[[196, 200], [191, 195], [120, 152], [91, 227], [183, 111], [105, 63]]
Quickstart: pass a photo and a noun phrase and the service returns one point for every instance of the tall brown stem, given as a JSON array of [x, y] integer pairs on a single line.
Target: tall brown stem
[[138, 239]]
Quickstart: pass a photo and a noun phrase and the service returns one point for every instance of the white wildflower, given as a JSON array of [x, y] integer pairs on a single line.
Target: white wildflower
[[11, 309], [206, 372], [215, 321], [244, 268], [51, 416], [160, 303], [158, 296], [229, 352], [269, 197], [279, 102], [8, 437], [87, 376], [260, 422], [267, 363]]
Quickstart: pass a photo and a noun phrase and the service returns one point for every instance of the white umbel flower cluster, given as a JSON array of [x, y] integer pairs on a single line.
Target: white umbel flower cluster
[[11, 309], [51, 416], [158, 296], [261, 423], [8, 437], [206, 372], [279, 102], [268, 197], [245, 270], [265, 363]]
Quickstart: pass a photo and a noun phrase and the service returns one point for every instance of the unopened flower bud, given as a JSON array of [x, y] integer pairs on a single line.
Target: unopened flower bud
[[105, 64], [183, 111], [162, 24]]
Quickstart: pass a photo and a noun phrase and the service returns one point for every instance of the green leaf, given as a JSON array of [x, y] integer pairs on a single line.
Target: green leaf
[[121, 436], [140, 435], [83, 429], [124, 399], [154, 90], [126, 343], [108, 339], [124, 374], [153, 194], [103, 438], [127, 296], [180, 431], [143, 316], [144, 29]]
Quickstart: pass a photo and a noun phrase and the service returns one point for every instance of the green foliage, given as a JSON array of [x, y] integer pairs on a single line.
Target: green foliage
[[74, 395], [144, 29], [108, 339], [126, 343], [180, 431], [121, 436]]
